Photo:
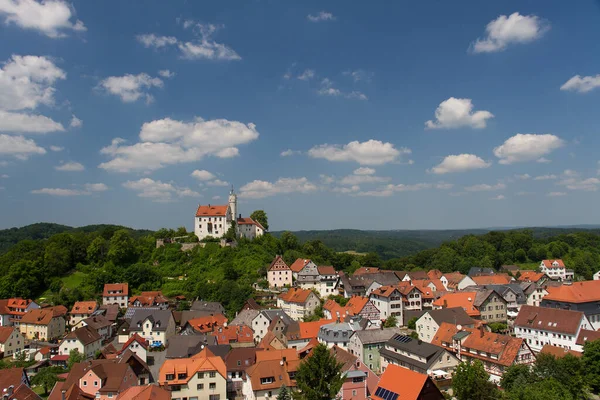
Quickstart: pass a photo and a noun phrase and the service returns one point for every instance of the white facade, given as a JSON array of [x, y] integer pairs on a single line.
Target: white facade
[[426, 328], [555, 270], [260, 326], [212, 225], [152, 335], [297, 311], [465, 282], [390, 305], [14, 344], [597, 276], [535, 297], [138, 350], [89, 351], [249, 230], [537, 337]]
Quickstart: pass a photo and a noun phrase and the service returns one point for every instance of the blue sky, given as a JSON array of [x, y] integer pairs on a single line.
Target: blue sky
[[379, 115]]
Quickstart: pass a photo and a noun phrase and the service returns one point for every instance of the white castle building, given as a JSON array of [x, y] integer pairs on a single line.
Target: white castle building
[[215, 221]]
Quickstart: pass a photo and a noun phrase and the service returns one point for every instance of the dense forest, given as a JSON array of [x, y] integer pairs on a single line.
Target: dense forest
[[46, 265]]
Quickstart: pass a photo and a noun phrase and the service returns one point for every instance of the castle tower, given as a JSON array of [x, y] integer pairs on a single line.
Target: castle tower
[[233, 204]]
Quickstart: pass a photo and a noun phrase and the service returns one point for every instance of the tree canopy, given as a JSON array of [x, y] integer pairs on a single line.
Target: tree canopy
[[319, 376]]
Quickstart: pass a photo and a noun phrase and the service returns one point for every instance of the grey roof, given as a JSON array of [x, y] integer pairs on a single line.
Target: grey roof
[[159, 318], [97, 322], [275, 312], [416, 275], [514, 287], [482, 294], [475, 271], [245, 317], [423, 349], [184, 346], [132, 310], [376, 335], [209, 307], [452, 315], [336, 332], [356, 374]]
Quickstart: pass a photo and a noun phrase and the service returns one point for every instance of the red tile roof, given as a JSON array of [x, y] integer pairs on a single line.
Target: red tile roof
[[386, 291], [249, 221], [549, 319], [587, 336], [5, 332], [309, 330], [296, 295], [407, 384], [84, 307], [134, 338], [530, 276], [201, 362], [576, 292], [326, 270], [150, 392], [208, 323], [356, 304], [434, 274], [497, 279], [548, 263], [269, 364], [366, 270], [234, 334], [466, 300], [278, 265], [149, 298], [559, 352], [299, 264], [43, 316], [115, 287], [212, 211]]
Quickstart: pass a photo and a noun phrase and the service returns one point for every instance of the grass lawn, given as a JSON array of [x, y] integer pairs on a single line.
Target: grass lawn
[[39, 390], [532, 266], [71, 281]]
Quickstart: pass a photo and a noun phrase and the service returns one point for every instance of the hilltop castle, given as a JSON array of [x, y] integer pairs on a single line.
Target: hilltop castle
[[215, 221]]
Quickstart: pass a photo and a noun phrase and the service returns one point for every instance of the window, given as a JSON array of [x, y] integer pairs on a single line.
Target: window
[[170, 377], [353, 392], [96, 383], [266, 381], [200, 386], [200, 375], [84, 383], [214, 397], [212, 385], [212, 374]]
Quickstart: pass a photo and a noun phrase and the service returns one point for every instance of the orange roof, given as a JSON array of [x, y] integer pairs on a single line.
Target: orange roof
[[497, 279], [366, 270], [548, 263], [296, 295], [454, 279], [149, 298], [299, 264], [407, 384], [356, 304], [5, 332], [577, 292], [115, 287], [150, 392], [426, 292], [326, 270], [434, 274], [234, 334], [530, 276], [43, 316], [201, 362], [385, 291], [466, 300], [134, 338], [84, 307], [310, 330], [335, 309], [212, 211], [587, 336], [269, 365], [249, 221], [559, 352], [208, 323]]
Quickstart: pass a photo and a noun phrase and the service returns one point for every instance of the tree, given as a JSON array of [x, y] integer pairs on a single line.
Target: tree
[[46, 377], [471, 382], [412, 323], [122, 248], [74, 357], [390, 322], [319, 376], [516, 376], [260, 216], [284, 393], [591, 364], [498, 327], [520, 255], [547, 389], [289, 241]]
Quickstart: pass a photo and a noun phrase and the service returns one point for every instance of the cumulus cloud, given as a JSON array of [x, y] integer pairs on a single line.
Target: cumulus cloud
[[289, 152], [202, 175], [70, 167], [458, 113], [19, 147], [166, 142], [165, 73], [75, 122], [582, 84], [523, 177], [484, 187], [320, 17], [527, 147], [217, 182], [159, 191], [130, 87], [499, 197], [85, 190], [327, 89], [390, 189], [307, 75], [56, 148], [27, 123], [460, 163], [360, 179], [155, 41], [371, 152], [51, 17], [258, 189], [364, 171], [572, 180], [358, 75], [545, 177], [507, 30]]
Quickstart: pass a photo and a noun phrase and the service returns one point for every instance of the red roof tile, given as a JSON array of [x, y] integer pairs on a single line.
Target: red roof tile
[[296, 295], [530, 276], [576, 292], [366, 270], [405, 383], [549, 319], [310, 330], [299, 264], [84, 307], [587, 336], [208, 323], [466, 300], [548, 263], [326, 270], [497, 279], [559, 352], [5, 332], [115, 287], [212, 211]]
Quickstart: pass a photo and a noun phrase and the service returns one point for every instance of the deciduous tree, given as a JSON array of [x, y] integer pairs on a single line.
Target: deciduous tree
[[319, 376]]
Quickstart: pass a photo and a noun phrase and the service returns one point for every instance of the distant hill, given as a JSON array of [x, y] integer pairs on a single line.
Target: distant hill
[[43, 230]]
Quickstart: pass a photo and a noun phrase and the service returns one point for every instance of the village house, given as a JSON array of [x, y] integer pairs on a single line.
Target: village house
[[13, 309], [542, 325], [150, 392], [339, 333], [365, 345], [155, 326], [15, 385], [204, 324], [556, 269], [429, 323], [360, 381], [11, 341], [271, 370], [305, 332], [85, 340], [298, 303], [496, 279], [249, 228], [496, 352], [491, 306], [299, 265], [596, 276], [532, 276], [454, 281], [116, 293], [480, 271], [534, 293], [404, 384], [513, 294], [279, 274], [262, 322], [234, 336], [202, 377], [43, 323], [237, 361], [383, 278], [99, 323], [137, 345], [577, 296], [466, 300], [356, 306], [389, 301], [81, 310], [418, 356], [150, 299]]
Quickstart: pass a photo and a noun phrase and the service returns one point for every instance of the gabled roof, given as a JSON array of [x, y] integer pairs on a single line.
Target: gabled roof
[[209, 307], [43, 316], [249, 221], [326, 270], [296, 295], [84, 307], [366, 270], [299, 264], [479, 271], [270, 364], [201, 362], [530, 276], [439, 286], [278, 264], [271, 314], [159, 318], [483, 294], [559, 352], [497, 279], [212, 211], [466, 300], [405, 383], [149, 392], [245, 317], [10, 377], [97, 322], [149, 299], [356, 304], [452, 315], [234, 334], [134, 338], [370, 336], [548, 263], [309, 330], [84, 335], [385, 291], [23, 392], [417, 275], [5, 332], [576, 292], [587, 336], [115, 287], [434, 274], [549, 319], [208, 323], [454, 278], [241, 358]]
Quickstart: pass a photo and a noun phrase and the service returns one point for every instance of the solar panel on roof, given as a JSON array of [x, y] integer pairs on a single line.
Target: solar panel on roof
[[402, 338]]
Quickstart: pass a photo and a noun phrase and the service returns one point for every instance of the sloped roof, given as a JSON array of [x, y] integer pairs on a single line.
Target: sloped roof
[[497, 279], [10, 377], [417, 275], [326, 270], [385, 291], [466, 300], [576, 292], [160, 319], [587, 336], [115, 287], [309, 330], [234, 334], [134, 338], [549, 319], [530, 276], [85, 335], [559, 352], [299, 264], [149, 392], [97, 322], [201, 362], [407, 384], [245, 317], [296, 295], [43, 316], [268, 365], [376, 335], [149, 298], [548, 263], [5, 332], [84, 307], [208, 323], [278, 264], [452, 315], [212, 211], [366, 270], [249, 221], [241, 358]]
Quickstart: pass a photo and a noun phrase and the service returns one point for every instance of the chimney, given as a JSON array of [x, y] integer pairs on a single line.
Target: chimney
[[10, 390], [240, 216], [445, 303], [481, 331], [62, 394]]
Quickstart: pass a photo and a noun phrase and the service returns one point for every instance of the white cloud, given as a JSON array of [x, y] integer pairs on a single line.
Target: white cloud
[[556, 194], [358, 75], [360, 179], [27, 123], [320, 17], [165, 73], [506, 30], [289, 152], [86, 190], [70, 167], [355, 94], [499, 197], [582, 84], [216, 197], [202, 175], [159, 191], [484, 187], [327, 89], [166, 141], [326, 179], [130, 87], [205, 47], [545, 177], [346, 190], [19, 147], [523, 177], [460, 163], [217, 182], [56, 148], [364, 171], [543, 160], [390, 189], [50, 17], [27, 81], [458, 113], [573, 181], [155, 41], [75, 122], [308, 74], [371, 152], [4, 176], [259, 189], [527, 147]]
